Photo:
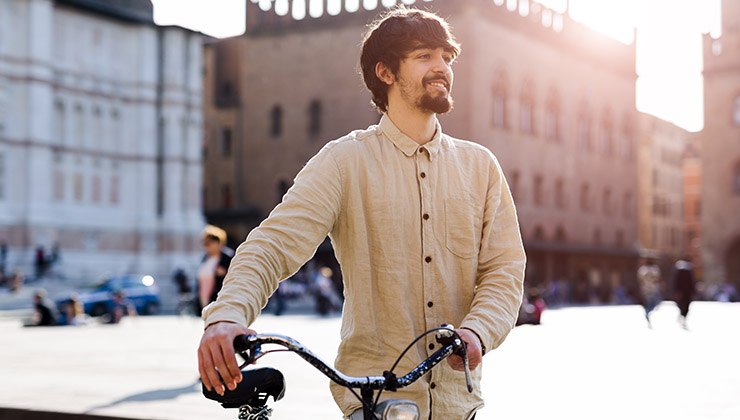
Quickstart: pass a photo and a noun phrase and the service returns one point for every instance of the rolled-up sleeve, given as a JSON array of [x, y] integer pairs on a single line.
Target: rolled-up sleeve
[[282, 243], [501, 263]]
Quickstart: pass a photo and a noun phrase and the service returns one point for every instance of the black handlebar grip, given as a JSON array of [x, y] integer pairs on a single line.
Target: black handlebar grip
[[242, 343]]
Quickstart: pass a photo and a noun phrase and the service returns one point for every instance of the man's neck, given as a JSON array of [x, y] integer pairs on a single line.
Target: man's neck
[[419, 126]]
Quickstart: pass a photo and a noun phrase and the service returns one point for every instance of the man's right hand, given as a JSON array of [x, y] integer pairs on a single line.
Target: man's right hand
[[216, 355]]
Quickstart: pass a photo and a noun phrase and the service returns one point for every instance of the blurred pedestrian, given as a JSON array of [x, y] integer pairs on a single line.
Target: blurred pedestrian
[[121, 307], [684, 287], [40, 262], [72, 312], [327, 299], [648, 277], [214, 266], [16, 281], [3, 259], [44, 313]]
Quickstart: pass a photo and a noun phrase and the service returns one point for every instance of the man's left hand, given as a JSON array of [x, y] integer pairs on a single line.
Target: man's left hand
[[474, 351]]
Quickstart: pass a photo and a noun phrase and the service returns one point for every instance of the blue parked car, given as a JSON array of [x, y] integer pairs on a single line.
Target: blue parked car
[[140, 291]]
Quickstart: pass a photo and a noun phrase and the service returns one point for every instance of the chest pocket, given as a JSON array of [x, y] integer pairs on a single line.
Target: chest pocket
[[462, 227]]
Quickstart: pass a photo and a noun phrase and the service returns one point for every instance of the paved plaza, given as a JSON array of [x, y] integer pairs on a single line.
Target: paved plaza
[[581, 363]]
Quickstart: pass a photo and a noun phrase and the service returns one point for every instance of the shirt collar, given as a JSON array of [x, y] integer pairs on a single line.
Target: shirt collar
[[405, 144]]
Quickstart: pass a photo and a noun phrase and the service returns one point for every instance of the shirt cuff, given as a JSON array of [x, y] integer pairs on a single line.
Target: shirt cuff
[[482, 345]]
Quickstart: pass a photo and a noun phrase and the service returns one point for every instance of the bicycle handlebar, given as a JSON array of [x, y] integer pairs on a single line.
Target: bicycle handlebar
[[249, 346]]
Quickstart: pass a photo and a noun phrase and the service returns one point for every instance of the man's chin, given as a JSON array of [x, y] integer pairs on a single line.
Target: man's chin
[[440, 105]]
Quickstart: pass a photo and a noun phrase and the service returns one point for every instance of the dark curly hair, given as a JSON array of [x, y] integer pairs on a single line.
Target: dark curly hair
[[392, 36]]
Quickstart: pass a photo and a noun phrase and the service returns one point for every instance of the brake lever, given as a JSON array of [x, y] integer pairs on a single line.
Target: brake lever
[[463, 352], [448, 334], [251, 354]]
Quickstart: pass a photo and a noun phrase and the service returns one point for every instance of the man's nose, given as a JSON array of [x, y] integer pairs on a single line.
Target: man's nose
[[441, 66]]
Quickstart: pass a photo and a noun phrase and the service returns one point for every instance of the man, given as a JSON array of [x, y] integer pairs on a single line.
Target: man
[[648, 277], [422, 224]]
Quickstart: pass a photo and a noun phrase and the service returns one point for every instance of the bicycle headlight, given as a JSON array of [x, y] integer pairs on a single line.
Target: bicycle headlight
[[398, 410]]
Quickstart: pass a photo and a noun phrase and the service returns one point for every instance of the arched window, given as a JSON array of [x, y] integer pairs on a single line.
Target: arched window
[[59, 122], [226, 196], [276, 119], [514, 186], [584, 128], [607, 202], [539, 192], [560, 235], [605, 135], [736, 111], [282, 189], [499, 100], [627, 139], [314, 118], [585, 200], [552, 118], [526, 110], [627, 205], [559, 193]]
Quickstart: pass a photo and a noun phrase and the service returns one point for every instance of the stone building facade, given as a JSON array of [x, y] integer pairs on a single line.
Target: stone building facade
[[720, 152], [661, 203], [100, 137], [553, 100]]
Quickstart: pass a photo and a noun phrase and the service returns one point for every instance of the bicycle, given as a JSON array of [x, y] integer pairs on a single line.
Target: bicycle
[[258, 385]]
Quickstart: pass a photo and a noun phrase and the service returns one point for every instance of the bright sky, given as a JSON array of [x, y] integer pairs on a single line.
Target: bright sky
[[669, 47]]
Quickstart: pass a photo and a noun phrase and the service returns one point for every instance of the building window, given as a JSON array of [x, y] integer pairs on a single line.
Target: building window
[[58, 185], [276, 121], [607, 202], [584, 131], [526, 113], [628, 149], [607, 148], [78, 191], [282, 189], [226, 142], [226, 196], [314, 118], [539, 198], [59, 122], [736, 111], [560, 235], [736, 179], [552, 119], [96, 189], [585, 197], [114, 189], [597, 236], [559, 193], [499, 100], [620, 238], [514, 185], [627, 205], [79, 126]]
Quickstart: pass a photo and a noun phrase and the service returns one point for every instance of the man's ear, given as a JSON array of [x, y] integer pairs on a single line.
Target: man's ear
[[384, 73]]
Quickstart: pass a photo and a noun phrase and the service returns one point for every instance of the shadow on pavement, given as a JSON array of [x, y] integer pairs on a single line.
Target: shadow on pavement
[[155, 395]]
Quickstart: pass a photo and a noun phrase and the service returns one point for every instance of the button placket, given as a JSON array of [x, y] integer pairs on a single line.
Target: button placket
[[422, 159]]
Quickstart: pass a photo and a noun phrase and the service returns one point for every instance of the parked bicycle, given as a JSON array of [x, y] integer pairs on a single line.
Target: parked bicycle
[[258, 385]]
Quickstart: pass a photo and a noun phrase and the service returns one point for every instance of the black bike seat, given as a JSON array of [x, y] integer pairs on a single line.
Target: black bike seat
[[254, 389]]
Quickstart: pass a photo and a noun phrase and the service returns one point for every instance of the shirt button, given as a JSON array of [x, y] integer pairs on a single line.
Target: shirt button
[[426, 216], [430, 304], [423, 175], [422, 150], [428, 259], [432, 385], [431, 346]]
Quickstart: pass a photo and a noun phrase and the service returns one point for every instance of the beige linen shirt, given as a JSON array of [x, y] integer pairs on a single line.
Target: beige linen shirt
[[425, 235]]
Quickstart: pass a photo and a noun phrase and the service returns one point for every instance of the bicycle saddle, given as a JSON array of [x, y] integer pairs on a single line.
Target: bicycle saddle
[[254, 389]]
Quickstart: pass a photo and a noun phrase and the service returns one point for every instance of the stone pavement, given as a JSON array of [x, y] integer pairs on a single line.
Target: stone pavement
[[581, 363]]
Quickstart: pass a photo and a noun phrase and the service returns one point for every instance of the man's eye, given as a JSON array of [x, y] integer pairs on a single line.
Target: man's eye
[[424, 56]]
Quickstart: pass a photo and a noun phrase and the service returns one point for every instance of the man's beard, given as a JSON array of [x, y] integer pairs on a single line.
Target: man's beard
[[438, 104]]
